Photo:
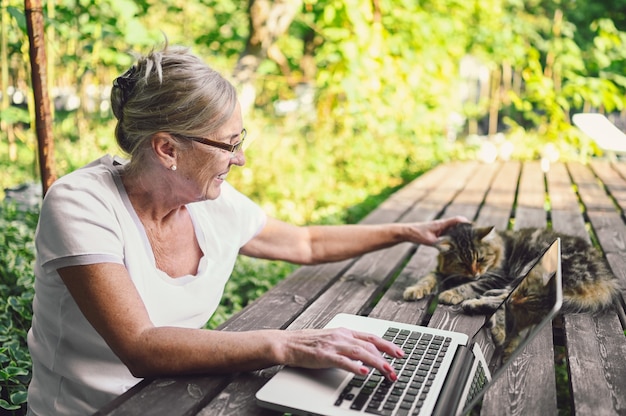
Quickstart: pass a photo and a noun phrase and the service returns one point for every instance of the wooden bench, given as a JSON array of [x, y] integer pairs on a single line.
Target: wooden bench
[[572, 198]]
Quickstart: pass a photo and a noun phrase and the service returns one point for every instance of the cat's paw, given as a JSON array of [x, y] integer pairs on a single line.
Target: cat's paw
[[472, 305], [450, 297], [482, 305], [416, 292], [424, 287], [499, 335], [498, 329]]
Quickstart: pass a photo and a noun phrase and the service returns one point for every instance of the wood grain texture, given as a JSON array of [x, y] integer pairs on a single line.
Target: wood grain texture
[[583, 200], [596, 344], [528, 386]]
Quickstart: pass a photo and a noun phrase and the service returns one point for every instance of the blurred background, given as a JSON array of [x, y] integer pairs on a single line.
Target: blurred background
[[343, 99]]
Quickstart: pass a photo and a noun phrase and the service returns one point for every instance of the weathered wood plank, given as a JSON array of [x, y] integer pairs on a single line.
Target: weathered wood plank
[[592, 195], [596, 344], [610, 227], [613, 179], [561, 190], [565, 211], [531, 197], [532, 190], [392, 306], [520, 391], [238, 398], [498, 205], [528, 386], [406, 197], [468, 201], [183, 396], [620, 169], [597, 365]]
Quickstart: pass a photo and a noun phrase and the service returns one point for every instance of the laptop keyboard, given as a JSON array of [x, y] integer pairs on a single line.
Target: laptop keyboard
[[374, 394], [479, 381]]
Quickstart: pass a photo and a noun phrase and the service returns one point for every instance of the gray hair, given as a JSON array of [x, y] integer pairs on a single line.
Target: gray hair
[[171, 91]]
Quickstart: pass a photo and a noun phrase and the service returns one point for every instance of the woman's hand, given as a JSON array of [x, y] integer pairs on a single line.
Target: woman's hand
[[429, 232], [341, 348]]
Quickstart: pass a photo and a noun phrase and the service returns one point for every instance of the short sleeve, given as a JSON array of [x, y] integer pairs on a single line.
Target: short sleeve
[[78, 220]]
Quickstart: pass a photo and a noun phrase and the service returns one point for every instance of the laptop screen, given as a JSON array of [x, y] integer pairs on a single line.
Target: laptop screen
[[528, 308]]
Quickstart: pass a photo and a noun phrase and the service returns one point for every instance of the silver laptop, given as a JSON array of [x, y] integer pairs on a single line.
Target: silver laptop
[[442, 372]]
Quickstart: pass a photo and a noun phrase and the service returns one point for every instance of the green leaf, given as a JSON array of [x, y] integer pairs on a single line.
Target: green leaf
[[14, 115], [7, 406], [19, 397], [10, 372]]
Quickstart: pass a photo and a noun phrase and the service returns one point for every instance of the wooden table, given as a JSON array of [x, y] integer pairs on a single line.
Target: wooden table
[[586, 200]]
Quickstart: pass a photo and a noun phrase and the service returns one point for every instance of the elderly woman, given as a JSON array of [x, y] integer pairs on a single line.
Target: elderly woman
[[132, 257]]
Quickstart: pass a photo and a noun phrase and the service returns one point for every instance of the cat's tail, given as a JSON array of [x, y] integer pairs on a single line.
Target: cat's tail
[[592, 297]]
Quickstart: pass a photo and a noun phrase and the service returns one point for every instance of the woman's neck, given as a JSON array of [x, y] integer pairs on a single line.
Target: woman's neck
[[153, 200]]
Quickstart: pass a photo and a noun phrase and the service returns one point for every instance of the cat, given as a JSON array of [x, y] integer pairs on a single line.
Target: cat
[[477, 261], [478, 267]]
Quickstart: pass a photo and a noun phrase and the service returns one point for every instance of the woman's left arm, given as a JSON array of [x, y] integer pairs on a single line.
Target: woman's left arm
[[325, 243]]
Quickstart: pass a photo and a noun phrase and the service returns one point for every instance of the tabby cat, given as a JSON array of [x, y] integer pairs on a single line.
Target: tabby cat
[[477, 267]]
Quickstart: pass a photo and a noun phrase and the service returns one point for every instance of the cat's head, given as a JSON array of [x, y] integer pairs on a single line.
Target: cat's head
[[468, 251], [531, 300]]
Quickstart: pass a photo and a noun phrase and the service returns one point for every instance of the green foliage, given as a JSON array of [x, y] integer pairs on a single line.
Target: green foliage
[[317, 174], [371, 83], [17, 173], [16, 295]]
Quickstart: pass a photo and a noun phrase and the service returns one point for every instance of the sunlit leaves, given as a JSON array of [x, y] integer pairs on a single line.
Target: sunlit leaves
[[16, 296]]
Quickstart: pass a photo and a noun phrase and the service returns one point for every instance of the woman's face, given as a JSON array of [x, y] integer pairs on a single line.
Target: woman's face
[[206, 167]]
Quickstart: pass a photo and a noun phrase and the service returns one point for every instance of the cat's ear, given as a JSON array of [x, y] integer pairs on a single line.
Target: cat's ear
[[485, 233], [443, 244]]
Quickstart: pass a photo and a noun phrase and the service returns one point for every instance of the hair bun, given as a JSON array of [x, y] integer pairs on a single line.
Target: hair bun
[[125, 83]]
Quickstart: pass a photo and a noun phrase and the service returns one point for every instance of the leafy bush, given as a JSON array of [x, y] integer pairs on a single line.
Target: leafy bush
[[16, 294]]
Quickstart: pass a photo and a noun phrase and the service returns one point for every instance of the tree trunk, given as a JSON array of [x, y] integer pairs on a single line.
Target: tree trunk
[[268, 21], [494, 102], [43, 123]]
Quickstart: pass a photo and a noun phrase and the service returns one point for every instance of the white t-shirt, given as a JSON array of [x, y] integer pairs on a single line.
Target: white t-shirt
[[87, 218]]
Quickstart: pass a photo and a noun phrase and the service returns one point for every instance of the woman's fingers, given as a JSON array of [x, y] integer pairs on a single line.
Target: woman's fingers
[[343, 348], [370, 351]]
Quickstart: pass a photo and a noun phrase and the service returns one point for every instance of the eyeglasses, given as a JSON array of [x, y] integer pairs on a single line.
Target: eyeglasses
[[231, 148]]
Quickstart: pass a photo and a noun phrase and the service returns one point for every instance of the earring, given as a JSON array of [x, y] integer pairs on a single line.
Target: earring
[[173, 168]]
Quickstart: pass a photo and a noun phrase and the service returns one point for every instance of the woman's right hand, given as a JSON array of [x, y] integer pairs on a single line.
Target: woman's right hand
[[341, 348]]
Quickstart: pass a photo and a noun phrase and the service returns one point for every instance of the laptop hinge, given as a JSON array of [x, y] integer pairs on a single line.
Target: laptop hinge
[[448, 401]]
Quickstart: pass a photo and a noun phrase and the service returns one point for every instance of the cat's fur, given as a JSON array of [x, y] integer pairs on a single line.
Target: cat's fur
[[478, 266], [527, 305]]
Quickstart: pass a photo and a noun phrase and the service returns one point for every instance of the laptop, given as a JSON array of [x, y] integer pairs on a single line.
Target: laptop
[[442, 372]]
